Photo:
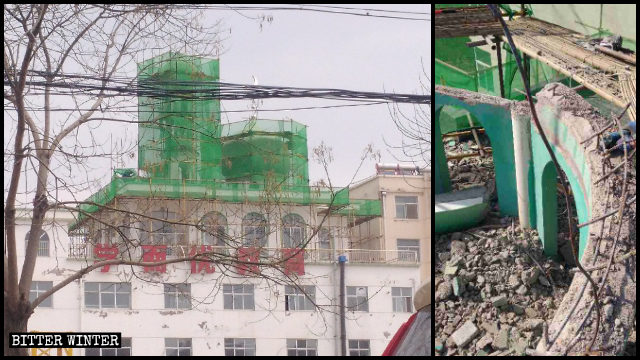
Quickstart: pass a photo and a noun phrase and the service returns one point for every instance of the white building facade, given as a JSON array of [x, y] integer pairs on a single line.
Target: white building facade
[[179, 312]]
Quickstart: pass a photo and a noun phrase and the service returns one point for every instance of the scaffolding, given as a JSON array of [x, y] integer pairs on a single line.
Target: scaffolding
[[184, 152], [489, 66], [265, 151]]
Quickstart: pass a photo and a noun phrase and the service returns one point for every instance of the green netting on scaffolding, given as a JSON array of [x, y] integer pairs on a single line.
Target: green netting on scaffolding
[[185, 153], [265, 151], [476, 69], [232, 192], [179, 135]]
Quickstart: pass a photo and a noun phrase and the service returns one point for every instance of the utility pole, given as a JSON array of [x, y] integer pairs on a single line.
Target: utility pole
[[342, 259]]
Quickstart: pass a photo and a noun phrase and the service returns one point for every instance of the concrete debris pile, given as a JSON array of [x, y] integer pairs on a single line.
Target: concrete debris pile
[[491, 296], [468, 171]]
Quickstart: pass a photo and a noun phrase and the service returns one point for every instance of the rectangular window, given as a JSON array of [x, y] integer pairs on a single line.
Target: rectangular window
[[38, 288], [125, 350], [409, 250], [177, 296], [302, 347], [295, 299], [177, 346], [401, 297], [107, 295], [43, 247], [357, 298], [359, 348], [406, 207], [239, 347], [238, 296]]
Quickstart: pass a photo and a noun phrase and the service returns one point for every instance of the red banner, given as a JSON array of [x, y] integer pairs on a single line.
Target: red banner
[[248, 255], [104, 252], [154, 253], [295, 262], [198, 266]]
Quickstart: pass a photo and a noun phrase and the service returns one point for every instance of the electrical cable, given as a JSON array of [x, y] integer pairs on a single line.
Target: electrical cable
[[223, 91]]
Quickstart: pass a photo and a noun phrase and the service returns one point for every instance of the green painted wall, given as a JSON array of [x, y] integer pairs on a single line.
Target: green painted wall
[[497, 123], [545, 183], [442, 181], [460, 219]]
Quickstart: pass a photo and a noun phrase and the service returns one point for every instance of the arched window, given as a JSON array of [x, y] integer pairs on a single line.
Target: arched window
[[43, 243], [254, 230], [214, 226], [293, 231]]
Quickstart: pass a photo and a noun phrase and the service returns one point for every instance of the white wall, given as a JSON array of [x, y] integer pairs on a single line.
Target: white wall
[[148, 323]]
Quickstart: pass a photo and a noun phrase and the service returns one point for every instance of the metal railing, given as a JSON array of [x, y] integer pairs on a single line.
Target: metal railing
[[84, 251]]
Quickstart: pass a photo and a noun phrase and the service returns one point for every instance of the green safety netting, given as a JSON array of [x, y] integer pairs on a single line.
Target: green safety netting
[[476, 69], [179, 137], [265, 151], [184, 151]]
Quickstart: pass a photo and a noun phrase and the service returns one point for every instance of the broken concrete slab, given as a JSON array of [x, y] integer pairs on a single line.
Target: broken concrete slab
[[487, 339], [532, 324], [451, 270], [517, 309], [489, 327], [465, 333], [460, 209], [501, 340], [522, 290], [529, 277], [499, 301], [458, 247], [443, 291]]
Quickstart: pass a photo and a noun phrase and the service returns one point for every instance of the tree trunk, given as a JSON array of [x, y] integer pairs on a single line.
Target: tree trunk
[[15, 320]]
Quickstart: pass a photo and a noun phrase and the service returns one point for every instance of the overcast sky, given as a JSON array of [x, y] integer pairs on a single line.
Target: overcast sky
[[312, 49], [297, 49]]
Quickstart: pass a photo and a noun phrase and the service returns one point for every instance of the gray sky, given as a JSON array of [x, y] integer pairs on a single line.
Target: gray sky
[[311, 49], [297, 49]]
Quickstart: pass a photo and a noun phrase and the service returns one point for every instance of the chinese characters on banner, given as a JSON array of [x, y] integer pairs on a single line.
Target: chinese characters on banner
[[248, 255], [248, 259], [154, 253], [295, 262], [198, 266], [104, 252]]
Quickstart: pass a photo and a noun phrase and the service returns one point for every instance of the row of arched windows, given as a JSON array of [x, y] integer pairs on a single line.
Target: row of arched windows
[[214, 232], [254, 230]]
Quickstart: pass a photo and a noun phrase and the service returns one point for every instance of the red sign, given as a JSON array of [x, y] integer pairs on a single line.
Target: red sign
[[105, 252], [154, 253], [248, 255], [198, 266], [294, 262]]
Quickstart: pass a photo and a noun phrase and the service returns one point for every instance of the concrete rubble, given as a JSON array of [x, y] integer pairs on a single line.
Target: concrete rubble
[[498, 298]]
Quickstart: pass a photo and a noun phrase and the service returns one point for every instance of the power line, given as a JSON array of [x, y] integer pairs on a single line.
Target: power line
[[298, 8], [208, 90], [368, 9], [121, 109]]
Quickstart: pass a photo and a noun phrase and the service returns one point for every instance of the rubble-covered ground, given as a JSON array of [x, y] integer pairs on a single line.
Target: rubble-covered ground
[[494, 287], [491, 296], [468, 171]]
